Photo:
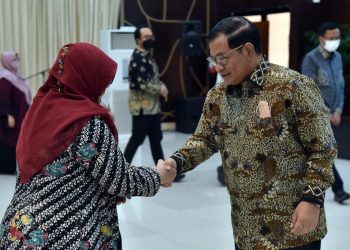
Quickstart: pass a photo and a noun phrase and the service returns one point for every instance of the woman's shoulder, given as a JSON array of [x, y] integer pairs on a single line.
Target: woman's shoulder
[[5, 83], [94, 133], [95, 124]]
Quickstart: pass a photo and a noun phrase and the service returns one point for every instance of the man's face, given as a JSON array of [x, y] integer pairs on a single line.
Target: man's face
[[330, 35], [232, 64], [145, 34]]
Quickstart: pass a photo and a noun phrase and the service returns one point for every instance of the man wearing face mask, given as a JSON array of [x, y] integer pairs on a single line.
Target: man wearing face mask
[[144, 103], [324, 65]]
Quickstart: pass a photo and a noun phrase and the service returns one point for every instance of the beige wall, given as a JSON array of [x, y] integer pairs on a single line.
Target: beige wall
[[37, 29], [279, 29]]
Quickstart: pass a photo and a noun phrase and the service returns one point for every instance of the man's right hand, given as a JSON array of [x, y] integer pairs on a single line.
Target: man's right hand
[[335, 118], [170, 164], [164, 92], [167, 174]]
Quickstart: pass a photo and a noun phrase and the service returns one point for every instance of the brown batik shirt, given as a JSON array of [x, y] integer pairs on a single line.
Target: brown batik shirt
[[277, 149]]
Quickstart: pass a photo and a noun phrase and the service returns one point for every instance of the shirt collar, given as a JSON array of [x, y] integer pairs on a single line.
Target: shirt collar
[[259, 73], [325, 54], [141, 49]]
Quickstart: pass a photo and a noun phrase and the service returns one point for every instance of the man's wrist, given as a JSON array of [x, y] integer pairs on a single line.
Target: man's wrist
[[317, 201], [338, 110], [179, 165]]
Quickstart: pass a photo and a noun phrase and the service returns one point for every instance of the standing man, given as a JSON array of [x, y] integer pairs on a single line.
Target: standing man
[[144, 103], [270, 126], [324, 65]]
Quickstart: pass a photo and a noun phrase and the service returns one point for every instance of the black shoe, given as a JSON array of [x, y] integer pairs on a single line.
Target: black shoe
[[341, 196], [221, 175], [179, 177]]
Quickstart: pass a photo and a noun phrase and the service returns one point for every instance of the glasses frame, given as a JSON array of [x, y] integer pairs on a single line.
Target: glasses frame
[[222, 59]]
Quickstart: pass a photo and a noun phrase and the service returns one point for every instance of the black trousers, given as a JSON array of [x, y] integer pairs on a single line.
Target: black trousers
[[316, 245], [338, 182], [142, 126], [7, 160]]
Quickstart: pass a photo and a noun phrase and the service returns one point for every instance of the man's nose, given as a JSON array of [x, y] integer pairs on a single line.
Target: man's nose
[[219, 67]]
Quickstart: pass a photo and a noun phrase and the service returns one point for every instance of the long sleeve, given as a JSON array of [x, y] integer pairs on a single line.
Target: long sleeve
[[5, 101], [201, 145], [72, 201], [309, 68], [96, 147], [327, 72], [142, 74], [341, 89], [316, 136], [12, 102]]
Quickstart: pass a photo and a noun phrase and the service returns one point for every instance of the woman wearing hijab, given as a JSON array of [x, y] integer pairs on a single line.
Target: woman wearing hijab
[[71, 170], [14, 102]]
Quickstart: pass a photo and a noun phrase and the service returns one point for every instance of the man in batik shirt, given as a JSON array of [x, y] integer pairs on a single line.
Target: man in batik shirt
[[144, 98], [270, 125]]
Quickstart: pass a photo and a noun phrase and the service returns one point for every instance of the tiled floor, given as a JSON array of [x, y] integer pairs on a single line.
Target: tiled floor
[[195, 214]]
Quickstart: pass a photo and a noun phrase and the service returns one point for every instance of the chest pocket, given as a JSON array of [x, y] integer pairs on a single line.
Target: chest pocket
[[322, 77], [277, 124]]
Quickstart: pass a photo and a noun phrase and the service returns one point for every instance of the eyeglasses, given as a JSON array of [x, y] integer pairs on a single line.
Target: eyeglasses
[[222, 59]]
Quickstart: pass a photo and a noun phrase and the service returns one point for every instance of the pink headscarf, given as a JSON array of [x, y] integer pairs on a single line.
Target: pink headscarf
[[9, 60]]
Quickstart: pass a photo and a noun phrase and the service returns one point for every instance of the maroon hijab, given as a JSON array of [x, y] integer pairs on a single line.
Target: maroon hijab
[[63, 105]]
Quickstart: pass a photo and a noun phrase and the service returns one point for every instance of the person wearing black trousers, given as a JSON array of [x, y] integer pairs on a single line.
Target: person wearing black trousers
[[144, 104], [325, 66]]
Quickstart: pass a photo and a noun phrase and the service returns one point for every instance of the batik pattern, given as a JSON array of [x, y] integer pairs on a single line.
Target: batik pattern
[[71, 204], [144, 85], [277, 147]]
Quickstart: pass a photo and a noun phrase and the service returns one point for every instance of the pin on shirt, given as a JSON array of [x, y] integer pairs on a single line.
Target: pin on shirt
[[263, 110]]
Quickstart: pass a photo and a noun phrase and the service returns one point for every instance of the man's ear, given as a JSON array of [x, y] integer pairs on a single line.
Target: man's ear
[[321, 40], [249, 48], [138, 41]]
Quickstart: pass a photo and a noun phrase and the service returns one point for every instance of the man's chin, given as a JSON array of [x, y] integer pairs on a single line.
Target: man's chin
[[230, 83]]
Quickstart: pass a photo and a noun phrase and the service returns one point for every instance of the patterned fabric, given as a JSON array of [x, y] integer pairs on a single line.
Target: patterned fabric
[[326, 69], [71, 204], [144, 84], [258, 74], [83, 72], [276, 145]]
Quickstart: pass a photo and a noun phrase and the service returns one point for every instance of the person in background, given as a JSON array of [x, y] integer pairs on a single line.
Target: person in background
[[71, 170], [324, 65], [144, 103], [15, 98], [270, 126]]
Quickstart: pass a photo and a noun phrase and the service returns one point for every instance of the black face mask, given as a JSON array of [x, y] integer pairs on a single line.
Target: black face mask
[[148, 44]]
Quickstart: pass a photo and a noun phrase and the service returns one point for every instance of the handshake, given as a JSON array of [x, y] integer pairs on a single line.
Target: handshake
[[167, 171]]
